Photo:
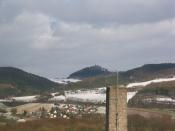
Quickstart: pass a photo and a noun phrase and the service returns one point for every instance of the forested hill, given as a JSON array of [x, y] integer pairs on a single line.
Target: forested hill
[[16, 81], [150, 71], [91, 71]]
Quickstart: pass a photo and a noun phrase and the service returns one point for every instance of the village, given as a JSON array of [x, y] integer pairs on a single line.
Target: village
[[66, 111], [35, 111]]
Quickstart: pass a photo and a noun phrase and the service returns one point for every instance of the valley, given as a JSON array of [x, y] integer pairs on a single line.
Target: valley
[[84, 98]]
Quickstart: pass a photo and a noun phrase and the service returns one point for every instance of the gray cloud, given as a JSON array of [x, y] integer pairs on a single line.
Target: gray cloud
[[54, 38], [94, 11]]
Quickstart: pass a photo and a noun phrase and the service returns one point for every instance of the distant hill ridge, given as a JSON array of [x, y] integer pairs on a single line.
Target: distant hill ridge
[[140, 74], [161, 70], [14, 81], [150, 71], [154, 67], [22, 82], [91, 71]]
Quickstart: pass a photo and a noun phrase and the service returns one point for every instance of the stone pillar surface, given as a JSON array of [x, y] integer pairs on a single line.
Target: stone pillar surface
[[121, 109], [116, 109]]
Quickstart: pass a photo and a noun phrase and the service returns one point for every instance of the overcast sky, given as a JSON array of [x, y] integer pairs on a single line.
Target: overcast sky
[[54, 38]]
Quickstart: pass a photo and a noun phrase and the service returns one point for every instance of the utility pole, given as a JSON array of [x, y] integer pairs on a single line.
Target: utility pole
[[117, 80]]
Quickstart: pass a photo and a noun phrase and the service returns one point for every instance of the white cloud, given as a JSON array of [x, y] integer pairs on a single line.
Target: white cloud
[[120, 35], [95, 11], [39, 28], [28, 29]]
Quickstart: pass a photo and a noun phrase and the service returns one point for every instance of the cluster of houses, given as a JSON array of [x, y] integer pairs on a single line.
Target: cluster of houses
[[71, 110], [66, 111]]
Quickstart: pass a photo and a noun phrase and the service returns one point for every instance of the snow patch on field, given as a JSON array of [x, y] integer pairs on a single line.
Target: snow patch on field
[[130, 95], [95, 96], [58, 98], [165, 99], [5, 100], [25, 98], [87, 97], [65, 81], [149, 82]]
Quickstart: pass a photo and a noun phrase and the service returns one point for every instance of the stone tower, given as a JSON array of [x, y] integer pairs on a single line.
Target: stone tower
[[116, 109]]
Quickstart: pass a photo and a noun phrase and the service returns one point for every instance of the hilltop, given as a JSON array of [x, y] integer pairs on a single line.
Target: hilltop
[[91, 71]]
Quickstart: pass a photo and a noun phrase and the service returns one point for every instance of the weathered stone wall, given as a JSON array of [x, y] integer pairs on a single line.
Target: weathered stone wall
[[116, 109], [111, 109]]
